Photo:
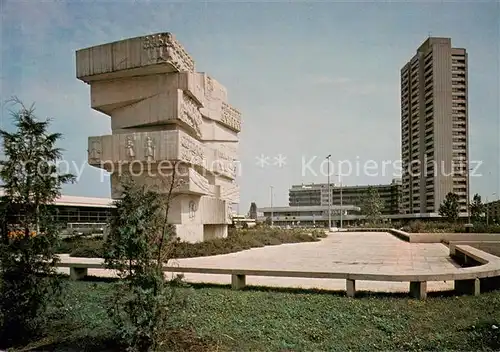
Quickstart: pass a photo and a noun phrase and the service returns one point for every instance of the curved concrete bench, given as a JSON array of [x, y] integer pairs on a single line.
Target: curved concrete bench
[[467, 280]]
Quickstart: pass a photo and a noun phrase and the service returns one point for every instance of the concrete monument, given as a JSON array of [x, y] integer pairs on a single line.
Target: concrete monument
[[172, 127]]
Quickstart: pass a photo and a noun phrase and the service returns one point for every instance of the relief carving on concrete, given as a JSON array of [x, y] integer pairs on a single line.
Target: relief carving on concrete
[[195, 158], [163, 47], [95, 151], [158, 47], [200, 182], [209, 87], [192, 210], [190, 114], [191, 151], [162, 183], [231, 117], [229, 211], [226, 163], [149, 150], [230, 192], [129, 146]]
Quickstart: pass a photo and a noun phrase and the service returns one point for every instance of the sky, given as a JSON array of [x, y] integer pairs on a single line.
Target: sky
[[310, 79]]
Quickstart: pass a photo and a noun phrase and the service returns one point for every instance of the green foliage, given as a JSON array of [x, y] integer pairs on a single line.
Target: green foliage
[[477, 208], [80, 246], [27, 249], [136, 247], [252, 213], [419, 226], [372, 206], [237, 240], [263, 319], [484, 228], [450, 208], [268, 221]]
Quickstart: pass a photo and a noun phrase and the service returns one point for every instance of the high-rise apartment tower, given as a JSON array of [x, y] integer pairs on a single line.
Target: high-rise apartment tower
[[434, 127]]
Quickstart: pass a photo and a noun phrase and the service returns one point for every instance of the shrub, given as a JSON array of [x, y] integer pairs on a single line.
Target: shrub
[[93, 251], [446, 227], [143, 302], [80, 246], [483, 228], [237, 240], [27, 247], [241, 239]]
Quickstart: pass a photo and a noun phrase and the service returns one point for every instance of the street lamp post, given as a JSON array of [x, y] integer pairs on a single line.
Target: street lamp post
[[341, 209], [468, 196], [488, 208], [272, 213], [329, 196]]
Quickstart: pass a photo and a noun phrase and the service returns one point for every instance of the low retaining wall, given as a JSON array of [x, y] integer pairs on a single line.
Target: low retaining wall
[[482, 270], [398, 233], [434, 237], [492, 247], [452, 237]]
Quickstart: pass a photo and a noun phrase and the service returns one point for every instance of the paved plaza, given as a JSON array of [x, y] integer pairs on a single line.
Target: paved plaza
[[354, 252]]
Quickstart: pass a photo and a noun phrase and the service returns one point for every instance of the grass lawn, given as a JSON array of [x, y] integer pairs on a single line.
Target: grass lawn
[[259, 319]]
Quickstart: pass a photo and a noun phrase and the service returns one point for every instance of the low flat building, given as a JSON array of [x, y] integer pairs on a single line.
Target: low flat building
[[306, 215], [317, 216], [79, 213], [316, 194]]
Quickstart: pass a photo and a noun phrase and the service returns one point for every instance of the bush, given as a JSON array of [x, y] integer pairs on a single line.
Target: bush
[[30, 183], [28, 284], [483, 228], [241, 239], [93, 251], [419, 226], [79, 246], [237, 240], [143, 302]]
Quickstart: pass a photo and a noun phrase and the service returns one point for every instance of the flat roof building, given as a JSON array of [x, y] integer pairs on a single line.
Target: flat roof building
[[315, 194], [434, 127], [305, 215], [75, 212], [318, 216]]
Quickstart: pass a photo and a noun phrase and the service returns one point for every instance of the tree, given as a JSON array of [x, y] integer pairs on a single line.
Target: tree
[[139, 243], [252, 213], [372, 206], [268, 221], [31, 183], [450, 207], [477, 208]]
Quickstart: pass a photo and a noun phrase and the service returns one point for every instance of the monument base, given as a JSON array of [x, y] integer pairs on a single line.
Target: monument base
[[193, 233]]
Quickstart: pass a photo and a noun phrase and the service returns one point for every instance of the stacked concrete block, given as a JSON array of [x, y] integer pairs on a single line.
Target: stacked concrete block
[[165, 116]]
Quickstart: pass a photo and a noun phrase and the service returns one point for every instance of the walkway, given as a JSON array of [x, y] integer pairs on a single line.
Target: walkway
[[356, 252]]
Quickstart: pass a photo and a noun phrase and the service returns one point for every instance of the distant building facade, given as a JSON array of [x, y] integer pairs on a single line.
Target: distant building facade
[[316, 215], [316, 194], [434, 127], [492, 210], [76, 213]]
